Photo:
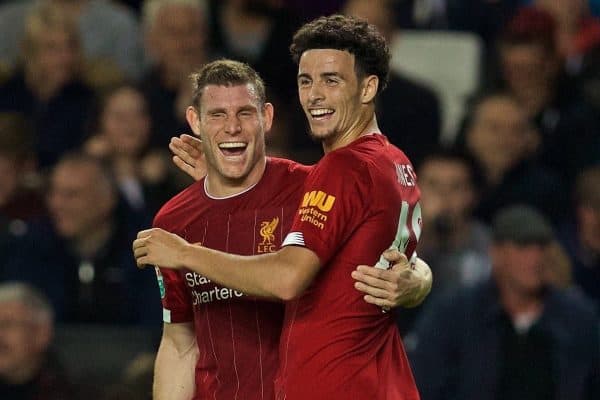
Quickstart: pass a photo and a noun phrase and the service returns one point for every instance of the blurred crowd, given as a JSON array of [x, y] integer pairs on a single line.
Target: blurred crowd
[[91, 91]]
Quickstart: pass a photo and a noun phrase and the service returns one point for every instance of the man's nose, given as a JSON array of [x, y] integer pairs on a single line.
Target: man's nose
[[315, 93], [232, 125]]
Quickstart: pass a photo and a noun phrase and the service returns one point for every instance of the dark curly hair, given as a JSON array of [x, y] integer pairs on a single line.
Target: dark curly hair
[[356, 36]]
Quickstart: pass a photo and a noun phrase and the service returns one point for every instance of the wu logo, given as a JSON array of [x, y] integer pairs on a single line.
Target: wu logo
[[321, 200], [267, 232]]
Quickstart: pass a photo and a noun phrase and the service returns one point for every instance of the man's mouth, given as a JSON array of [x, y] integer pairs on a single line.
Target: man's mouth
[[233, 148], [321, 113]]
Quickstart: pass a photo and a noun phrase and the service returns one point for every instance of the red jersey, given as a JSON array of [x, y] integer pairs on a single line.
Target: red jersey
[[357, 202], [237, 336]]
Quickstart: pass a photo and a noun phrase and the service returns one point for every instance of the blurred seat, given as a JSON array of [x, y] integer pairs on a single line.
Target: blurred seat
[[98, 354], [448, 62]]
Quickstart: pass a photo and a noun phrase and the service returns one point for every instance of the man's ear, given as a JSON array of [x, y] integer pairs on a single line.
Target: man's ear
[[268, 113], [369, 89], [193, 118]]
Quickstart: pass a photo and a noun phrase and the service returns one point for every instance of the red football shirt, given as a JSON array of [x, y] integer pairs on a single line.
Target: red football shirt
[[237, 336], [357, 202]]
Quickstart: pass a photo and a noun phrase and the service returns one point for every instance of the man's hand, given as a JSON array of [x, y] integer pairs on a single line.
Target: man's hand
[[158, 247], [401, 285], [188, 155]]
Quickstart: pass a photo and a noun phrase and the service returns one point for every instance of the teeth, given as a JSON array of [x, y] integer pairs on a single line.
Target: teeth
[[232, 145], [320, 111]]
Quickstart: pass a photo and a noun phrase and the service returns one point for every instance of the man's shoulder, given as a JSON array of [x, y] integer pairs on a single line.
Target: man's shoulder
[[190, 197], [285, 166]]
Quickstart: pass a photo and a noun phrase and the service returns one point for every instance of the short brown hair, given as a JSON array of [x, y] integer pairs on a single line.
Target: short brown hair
[[356, 36], [226, 73]]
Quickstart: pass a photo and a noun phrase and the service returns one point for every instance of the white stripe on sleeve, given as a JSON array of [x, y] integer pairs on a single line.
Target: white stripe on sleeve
[[293, 238]]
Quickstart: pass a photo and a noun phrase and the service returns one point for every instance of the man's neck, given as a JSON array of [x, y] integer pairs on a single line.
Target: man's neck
[[364, 126], [218, 186]]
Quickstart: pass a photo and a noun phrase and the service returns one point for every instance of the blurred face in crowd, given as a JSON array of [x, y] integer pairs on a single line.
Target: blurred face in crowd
[[177, 39], [446, 190], [53, 59], [519, 267], [80, 199], [23, 340], [125, 121], [231, 123], [332, 96], [500, 135], [527, 68]]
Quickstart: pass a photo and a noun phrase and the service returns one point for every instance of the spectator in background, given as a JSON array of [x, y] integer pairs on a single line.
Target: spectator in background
[[47, 87], [406, 109], [121, 137], [531, 69], [19, 199], [581, 235], [501, 139], [109, 33], [81, 258], [577, 31], [453, 241], [175, 34], [28, 369], [514, 336]]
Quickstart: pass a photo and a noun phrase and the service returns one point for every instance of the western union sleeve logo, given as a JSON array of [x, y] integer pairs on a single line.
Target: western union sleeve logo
[[319, 199], [314, 206]]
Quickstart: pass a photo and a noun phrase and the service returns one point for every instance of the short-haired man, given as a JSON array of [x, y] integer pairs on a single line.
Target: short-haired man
[[27, 368]]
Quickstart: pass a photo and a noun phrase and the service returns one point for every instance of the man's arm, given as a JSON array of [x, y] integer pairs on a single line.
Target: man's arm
[[400, 286], [281, 275], [403, 285], [174, 369]]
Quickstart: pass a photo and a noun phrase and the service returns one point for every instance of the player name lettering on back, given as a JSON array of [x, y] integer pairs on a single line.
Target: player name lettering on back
[[209, 293], [406, 175]]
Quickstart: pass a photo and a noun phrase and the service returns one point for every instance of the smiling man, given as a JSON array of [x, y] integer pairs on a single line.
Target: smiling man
[[217, 342]]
